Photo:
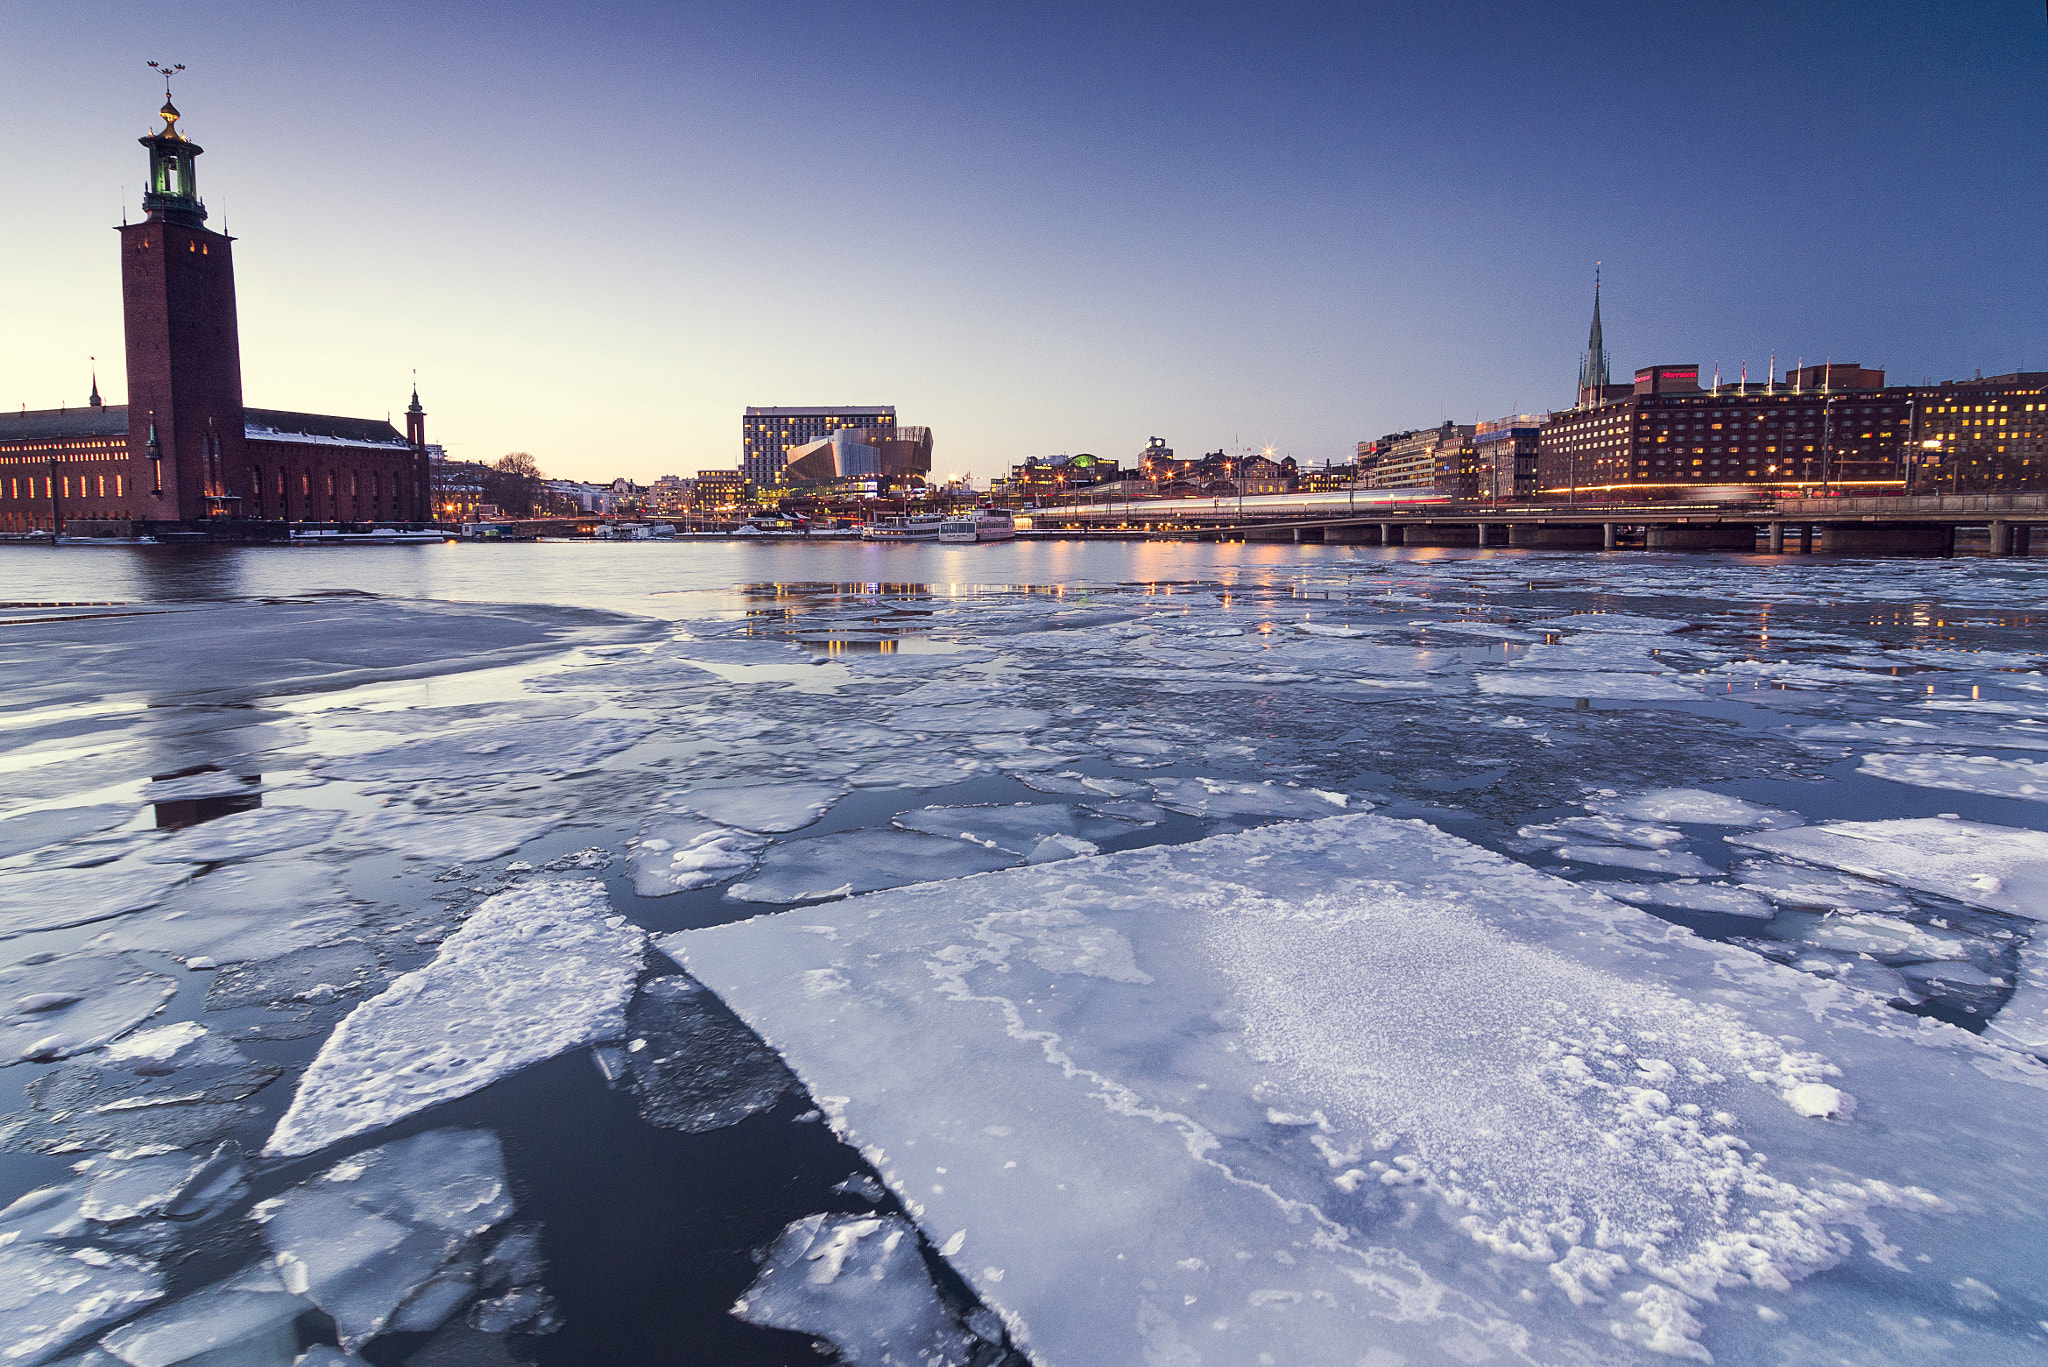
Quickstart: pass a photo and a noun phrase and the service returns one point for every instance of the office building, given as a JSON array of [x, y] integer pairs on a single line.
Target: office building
[[1411, 461]]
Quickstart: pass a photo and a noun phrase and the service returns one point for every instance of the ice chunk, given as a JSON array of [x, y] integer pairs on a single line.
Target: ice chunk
[[1076, 784], [958, 718], [245, 835], [2023, 1023], [379, 1240], [768, 807], [180, 1184], [1800, 885], [697, 1068], [1889, 939], [1719, 898], [678, 853], [1222, 797], [1644, 835], [551, 746], [1361, 1082], [53, 825], [51, 899], [1020, 828], [1999, 867], [50, 1297], [523, 1310], [1591, 652], [861, 861], [1693, 806], [462, 838], [1678, 862], [74, 1004], [246, 1319], [1589, 684], [859, 1282], [1964, 773], [323, 974], [1621, 622], [1816, 1099], [257, 910], [920, 771], [537, 970]]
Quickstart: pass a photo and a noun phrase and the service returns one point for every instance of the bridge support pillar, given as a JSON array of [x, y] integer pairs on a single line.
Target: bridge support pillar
[[1389, 534], [1607, 530], [1699, 536], [2001, 538], [1482, 533], [1554, 536], [1806, 538], [1887, 538], [2022, 538], [1777, 538]]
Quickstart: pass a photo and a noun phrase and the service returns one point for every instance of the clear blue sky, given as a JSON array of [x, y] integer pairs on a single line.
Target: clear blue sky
[[601, 230]]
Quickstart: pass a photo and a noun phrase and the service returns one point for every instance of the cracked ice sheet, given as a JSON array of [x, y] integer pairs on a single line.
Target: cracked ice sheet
[[1146, 1079], [1589, 684], [1963, 773], [537, 970], [1997, 867]]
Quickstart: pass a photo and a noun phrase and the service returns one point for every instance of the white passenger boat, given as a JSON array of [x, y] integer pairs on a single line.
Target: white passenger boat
[[983, 524], [376, 536], [916, 527]]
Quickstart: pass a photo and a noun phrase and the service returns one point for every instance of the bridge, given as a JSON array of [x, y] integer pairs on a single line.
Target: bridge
[[1882, 525]]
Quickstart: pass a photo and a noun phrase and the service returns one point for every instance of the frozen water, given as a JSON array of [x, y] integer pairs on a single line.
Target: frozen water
[[245, 835], [766, 807], [74, 1004], [524, 1309], [177, 1184], [921, 771], [1020, 829], [678, 853], [1997, 867], [859, 1282], [1628, 857], [1801, 885], [2023, 1023], [389, 1227], [50, 1297], [1223, 797], [245, 1321], [1589, 684], [1690, 896], [693, 1066], [34, 830], [1388, 1045], [456, 838], [1964, 773], [51, 899], [957, 718], [1693, 806], [521, 748], [1083, 785], [304, 976], [1620, 622], [1591, 653], [861, 861], [1644, 835], [537, 970], [256, 910]]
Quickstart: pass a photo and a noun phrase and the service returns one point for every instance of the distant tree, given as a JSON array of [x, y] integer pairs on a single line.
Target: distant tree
[[515, 483]]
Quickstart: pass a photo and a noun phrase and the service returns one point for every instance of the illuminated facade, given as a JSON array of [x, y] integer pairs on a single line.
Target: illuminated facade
[[769, 435]]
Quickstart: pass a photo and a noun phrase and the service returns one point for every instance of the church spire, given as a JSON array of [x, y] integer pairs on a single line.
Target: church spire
[[94, 401], [1593, 365], [416, 418]]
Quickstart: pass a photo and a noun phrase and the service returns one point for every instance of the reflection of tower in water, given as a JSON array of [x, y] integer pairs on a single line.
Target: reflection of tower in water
[[205, 792]]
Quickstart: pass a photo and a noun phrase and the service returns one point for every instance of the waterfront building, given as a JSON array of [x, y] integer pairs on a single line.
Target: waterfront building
[[1409, 461], [184, 451], [896, 456], [1051, 476], [722, 489], [1505, 452], [769, 435], [1834, 427]]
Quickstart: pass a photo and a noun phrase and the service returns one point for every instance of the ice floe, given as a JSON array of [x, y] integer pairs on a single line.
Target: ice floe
[[256, 910], [70, 1005], [1022, 828], [1687, 895], [538, 969], [52, 899], [1387, 1043], [388, 1239], [1587, 684], [860, 1283], [1693, 806], [691, 1063], [54, 825], [969, 718], [456, 837], [861, 861], [1224, 797], [1681, 862], [246, 1319], [1986, 774], [246, 835], [677, 853], [1999, 867], [766, 807], [50, 1296]]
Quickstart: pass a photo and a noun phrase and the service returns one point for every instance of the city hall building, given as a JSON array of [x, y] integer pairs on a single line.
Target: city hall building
[[184, 454]]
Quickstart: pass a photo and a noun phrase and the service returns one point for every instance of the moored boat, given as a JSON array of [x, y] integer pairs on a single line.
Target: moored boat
[[915, 527], [983, 524]]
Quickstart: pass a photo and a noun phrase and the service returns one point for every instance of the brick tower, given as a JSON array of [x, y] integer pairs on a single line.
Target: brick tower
[[185, 423]]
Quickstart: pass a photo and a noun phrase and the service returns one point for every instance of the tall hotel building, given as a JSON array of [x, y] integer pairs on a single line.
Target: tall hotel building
[[768, 435]]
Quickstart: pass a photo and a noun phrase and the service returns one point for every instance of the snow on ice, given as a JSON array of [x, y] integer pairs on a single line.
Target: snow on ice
[[1998, 867], [840, 865], [1387, 1045], [74, 1004], [538, 969], [771, 808]]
